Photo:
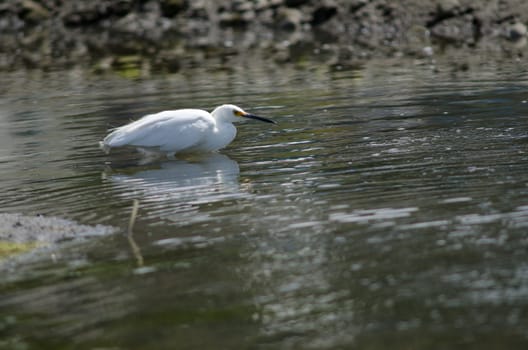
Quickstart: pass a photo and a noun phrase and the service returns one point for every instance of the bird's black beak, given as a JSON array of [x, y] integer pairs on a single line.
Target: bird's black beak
[[262, 119]]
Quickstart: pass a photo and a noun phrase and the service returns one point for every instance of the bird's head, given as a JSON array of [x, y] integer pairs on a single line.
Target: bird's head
[[232, 113]]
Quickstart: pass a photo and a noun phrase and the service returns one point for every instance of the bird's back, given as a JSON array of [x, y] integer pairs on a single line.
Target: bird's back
[[168, 131]]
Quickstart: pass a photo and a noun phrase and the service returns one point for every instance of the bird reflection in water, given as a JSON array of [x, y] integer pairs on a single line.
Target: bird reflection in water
[[170, 189]]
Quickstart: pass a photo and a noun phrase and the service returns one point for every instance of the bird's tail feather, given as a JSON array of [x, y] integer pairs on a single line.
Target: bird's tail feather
[[104, 147]]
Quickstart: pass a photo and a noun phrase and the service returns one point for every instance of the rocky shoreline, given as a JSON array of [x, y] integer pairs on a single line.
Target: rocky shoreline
[[169, 35]]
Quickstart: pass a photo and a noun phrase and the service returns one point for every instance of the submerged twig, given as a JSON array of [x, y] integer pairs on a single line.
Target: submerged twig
[[133, 245], [133, 216]]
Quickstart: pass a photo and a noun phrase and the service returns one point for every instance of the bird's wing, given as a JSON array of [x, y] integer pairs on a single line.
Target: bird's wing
[[170, 131]]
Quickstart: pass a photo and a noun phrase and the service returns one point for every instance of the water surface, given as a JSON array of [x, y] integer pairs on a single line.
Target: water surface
[[388, 206]]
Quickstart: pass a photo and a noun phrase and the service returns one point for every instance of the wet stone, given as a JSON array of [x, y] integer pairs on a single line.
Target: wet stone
[[516, 31], [289, 18], [33, 12], [456, 29]]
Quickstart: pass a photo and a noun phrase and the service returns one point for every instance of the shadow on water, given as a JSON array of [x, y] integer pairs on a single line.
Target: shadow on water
[[389, 206]]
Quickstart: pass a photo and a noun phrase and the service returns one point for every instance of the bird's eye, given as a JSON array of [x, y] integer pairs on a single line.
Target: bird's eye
[[238, 113]]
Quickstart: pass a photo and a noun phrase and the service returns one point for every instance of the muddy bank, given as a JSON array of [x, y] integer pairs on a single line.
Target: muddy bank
[[169, 35], [18, 228]]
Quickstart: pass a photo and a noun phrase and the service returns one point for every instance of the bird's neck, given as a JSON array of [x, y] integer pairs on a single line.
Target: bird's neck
[[224, 133]]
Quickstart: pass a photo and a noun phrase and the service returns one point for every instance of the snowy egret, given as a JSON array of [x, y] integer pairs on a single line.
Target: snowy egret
[[180, 131]]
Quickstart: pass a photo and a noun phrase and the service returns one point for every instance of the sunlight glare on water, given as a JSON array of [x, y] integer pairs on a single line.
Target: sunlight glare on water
[[389, 205]]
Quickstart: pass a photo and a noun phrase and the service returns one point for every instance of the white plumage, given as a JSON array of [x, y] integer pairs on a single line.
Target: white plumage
[[180, 131]]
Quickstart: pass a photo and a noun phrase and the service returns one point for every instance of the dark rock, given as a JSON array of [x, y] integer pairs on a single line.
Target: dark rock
[[197, 10], [169, 61], [456, 29], [356, 5], [296, 3], [446, 11], [10, 21], [288, 18], [76, 13], [232, 19], [170, 8], [386, 11], [32, 12], [323, 14]]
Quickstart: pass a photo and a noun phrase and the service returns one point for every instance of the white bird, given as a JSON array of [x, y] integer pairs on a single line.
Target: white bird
[[180, 131]]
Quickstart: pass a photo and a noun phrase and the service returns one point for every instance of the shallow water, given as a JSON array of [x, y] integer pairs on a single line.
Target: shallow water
[[388, 206]]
